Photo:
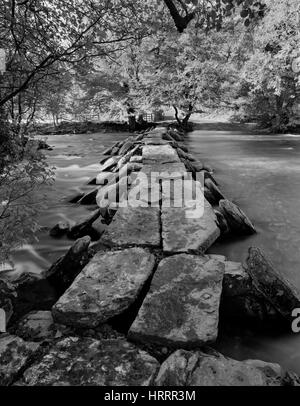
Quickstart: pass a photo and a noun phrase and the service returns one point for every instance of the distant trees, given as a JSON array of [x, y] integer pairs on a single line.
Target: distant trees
[[38, 34], [267, 75]]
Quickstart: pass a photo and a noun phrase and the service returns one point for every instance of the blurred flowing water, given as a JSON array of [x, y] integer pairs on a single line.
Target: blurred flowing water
[[261, 173], [76, 160]]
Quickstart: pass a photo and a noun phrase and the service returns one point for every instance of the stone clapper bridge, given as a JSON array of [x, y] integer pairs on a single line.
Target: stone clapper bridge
[[150, 274]]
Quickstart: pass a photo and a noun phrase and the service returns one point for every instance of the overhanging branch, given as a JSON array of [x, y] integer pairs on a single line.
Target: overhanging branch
[[180, 22]]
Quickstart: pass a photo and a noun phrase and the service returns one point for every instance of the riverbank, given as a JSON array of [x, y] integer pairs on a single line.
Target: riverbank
[[86, 127], [186, 315]]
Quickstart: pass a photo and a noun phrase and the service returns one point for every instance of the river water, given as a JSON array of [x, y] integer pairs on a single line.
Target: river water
[[261, 173]]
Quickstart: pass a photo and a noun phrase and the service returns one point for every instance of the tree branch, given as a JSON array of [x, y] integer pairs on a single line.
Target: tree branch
[[180, 22]]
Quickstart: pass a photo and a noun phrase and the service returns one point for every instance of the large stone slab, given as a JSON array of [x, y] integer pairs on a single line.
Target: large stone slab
[[185, 368], [133, 226], [87, 362], [160, 154], [105, 288], [14, 355], [189, 229], [182, 306]]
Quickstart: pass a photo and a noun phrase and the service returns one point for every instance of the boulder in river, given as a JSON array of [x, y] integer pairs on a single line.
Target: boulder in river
[[109, 151], [89, 197], [63, 272], [75, 198], [175, 135], [103, 178], [221, 222], [15, 354], [108, 285], [128, 145], [76, 361], [241, 301], [83, 226], [236, 219], [167, 137], [60, 229], [109, 164], [272, 284], [197, 368], [215, 193], [126, 158]]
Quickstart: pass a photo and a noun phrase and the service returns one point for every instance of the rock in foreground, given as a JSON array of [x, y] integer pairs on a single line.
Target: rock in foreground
[[185, 368], [37, 326], [14, 355], [107, 286], [182, 306], [87, 362]]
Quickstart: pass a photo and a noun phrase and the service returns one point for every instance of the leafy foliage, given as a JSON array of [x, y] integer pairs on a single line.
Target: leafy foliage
[[268, 73]]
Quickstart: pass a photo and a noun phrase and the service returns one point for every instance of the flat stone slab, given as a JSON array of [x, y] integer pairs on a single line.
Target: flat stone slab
[[78, 361], [189, 229], [14, 355], [182, 306], [159, 154], [106, 287], [133, 226], [185, 368]]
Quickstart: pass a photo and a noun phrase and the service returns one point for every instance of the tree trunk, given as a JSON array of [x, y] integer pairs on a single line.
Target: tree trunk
[[184, 122], [187, 117], [131, 119], [176, 115]]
